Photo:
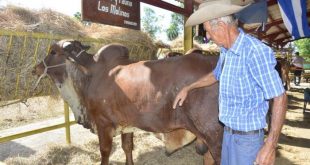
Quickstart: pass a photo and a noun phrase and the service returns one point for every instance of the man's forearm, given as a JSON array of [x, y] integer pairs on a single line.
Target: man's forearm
[[277, 119], [207, 80]]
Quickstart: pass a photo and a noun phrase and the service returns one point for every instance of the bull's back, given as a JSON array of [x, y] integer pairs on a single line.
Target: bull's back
[[163, 78], [156, 83]]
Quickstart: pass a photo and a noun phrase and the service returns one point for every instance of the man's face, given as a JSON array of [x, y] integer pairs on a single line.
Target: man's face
[[215, 33]]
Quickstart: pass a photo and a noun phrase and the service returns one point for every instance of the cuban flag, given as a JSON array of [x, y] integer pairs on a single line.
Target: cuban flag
[[294, 14]]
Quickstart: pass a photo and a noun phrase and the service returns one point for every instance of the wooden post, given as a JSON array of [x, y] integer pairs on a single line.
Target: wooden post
[[188, 31], [188, 38]]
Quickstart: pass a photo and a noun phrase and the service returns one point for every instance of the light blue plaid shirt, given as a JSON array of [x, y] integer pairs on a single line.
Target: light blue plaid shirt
[[248, 80]]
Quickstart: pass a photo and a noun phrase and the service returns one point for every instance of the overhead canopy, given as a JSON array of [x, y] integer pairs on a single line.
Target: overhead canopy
[[274, 32]]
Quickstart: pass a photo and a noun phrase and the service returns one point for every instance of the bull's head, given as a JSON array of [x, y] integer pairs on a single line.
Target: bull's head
[[54, 63], [62, 65]]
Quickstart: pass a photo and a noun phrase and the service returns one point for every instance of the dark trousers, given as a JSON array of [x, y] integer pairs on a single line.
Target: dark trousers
[[297, 76]]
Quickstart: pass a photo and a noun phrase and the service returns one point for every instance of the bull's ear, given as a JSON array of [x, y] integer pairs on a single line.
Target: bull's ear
[[85, 47], [80, 45]]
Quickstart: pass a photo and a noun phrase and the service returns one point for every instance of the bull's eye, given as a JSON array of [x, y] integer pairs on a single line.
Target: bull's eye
[[52, 52]]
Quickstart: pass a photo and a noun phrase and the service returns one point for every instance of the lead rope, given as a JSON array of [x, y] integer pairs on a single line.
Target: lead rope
[[24, 100], [80, 53], [53, 66], [45, 72]]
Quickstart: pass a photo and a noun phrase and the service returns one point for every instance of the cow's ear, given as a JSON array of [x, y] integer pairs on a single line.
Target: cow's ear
[[80, 45], [85, 47]]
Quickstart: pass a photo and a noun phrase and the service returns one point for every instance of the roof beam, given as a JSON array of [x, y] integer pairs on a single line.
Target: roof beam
[[274, 35], [189, 6], [280, 41], [272, 2], [278, 26], [267, 26]]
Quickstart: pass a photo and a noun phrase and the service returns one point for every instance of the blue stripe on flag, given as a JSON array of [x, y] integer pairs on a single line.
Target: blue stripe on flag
[[305, 24], [294, 14]]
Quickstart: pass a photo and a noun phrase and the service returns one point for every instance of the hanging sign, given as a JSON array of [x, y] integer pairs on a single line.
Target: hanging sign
[[123, 13]]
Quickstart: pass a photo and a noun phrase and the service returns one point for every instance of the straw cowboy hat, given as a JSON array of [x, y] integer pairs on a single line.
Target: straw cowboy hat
[[211, 9]]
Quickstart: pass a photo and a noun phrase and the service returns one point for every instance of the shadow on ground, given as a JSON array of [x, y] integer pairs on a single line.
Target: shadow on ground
[[13, 149], [63, 154], [282, 160]]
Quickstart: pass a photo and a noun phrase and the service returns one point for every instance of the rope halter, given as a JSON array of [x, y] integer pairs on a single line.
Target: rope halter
[[45, 72], [52, 66]]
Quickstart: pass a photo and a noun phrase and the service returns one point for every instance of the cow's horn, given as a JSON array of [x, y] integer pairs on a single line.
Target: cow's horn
[[65, 44]]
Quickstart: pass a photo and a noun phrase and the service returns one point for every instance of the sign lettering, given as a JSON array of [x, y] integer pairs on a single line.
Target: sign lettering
[[123, 13]]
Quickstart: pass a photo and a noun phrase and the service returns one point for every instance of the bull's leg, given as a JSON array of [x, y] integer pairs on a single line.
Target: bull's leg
[[127, 145], [105, 142], [212, 144], [202, 149], [208, 159], [213, 139], [215, 148]]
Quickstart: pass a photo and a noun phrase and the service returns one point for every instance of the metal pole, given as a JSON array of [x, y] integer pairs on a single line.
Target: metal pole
[[67, 122], [32, 132]]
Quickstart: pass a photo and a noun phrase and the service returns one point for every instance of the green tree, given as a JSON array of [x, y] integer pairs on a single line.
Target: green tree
[[149, 22], [303, 46], [78, 16], [175, 27]]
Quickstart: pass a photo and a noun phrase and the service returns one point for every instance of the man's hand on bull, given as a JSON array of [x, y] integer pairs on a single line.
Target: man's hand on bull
[[180, 97]]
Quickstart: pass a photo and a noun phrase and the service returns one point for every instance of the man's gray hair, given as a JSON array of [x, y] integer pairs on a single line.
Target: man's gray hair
[[230, 20]]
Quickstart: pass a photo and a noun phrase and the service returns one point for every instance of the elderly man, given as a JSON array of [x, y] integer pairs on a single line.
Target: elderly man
[[248, 80]]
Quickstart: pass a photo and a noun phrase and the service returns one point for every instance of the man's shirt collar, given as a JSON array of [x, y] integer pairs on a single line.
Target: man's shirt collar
[[236, 47]]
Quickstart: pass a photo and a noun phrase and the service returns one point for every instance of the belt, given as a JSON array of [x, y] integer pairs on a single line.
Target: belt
[[228, 129]]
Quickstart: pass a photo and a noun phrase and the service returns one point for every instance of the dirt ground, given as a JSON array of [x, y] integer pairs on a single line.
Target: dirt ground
[[294, 144], [33, 110], [51, 148]]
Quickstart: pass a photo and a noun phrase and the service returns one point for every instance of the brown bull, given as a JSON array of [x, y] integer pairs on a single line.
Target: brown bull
[[283, 68], [117, 94]]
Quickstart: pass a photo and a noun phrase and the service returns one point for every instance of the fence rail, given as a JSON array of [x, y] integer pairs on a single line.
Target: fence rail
[[21, 51]]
